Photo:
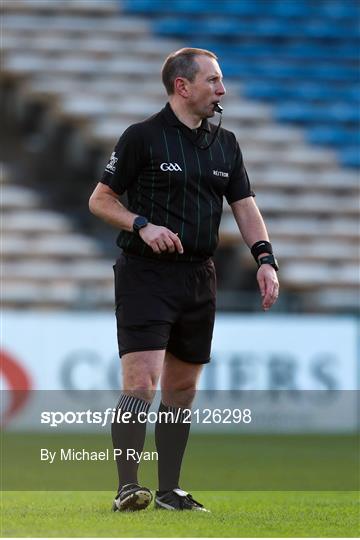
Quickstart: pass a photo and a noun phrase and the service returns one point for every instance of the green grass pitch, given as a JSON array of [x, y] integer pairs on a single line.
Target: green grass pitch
[[292, 485], [233, 514]]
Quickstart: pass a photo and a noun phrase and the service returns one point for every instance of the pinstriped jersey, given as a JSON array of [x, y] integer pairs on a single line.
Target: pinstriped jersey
[[174, 181]]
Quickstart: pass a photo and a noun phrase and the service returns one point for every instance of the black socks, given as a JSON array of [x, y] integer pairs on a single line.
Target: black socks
[[171, 437], [130, 435]]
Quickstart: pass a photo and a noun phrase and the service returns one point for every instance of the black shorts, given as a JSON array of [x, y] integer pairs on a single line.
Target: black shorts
[[165, 305]]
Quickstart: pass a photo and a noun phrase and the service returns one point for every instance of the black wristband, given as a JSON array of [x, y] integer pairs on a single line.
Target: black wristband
[[262, 246], [269, 259]]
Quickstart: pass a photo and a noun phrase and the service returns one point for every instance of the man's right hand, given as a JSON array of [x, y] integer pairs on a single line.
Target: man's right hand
[[161, 239]]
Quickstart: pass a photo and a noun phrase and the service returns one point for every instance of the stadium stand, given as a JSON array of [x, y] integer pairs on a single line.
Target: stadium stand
[[77, 74], [44, 261], [285, 53]]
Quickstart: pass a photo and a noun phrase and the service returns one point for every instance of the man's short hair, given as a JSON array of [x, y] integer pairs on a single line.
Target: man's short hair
[[182, 63]]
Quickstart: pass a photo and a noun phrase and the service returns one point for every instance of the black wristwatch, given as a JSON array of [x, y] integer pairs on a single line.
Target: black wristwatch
[[269, 259], [139, 223]]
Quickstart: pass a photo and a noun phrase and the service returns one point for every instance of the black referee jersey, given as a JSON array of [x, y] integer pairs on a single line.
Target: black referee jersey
[[175, 183]]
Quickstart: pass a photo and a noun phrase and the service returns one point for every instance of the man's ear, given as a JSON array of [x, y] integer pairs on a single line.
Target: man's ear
[[181, 86]]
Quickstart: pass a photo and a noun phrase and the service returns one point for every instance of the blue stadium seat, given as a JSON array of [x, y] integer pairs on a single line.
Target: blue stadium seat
[[222, 26], [274, 27], [299, 113], [143, 6], [350, 157], [263, 90], [312, 114], [262, 50], [345, 113], [174, 27], [330, 9], [200, 7], [245, 8], [290, 9], [317, 51], [321, 28], [303, 91], [354, 93], [337, 72], [328, 135], [340, 10]]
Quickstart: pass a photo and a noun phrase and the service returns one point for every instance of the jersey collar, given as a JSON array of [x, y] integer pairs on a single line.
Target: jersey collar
[[173, 120]]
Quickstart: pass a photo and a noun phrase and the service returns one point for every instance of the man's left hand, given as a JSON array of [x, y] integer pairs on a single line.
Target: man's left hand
[[268, 284]]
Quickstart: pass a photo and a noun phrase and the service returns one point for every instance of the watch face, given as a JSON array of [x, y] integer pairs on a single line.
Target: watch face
[[139, 223]]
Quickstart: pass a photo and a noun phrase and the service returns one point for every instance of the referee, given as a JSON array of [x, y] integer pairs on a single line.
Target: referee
[[175, 168]]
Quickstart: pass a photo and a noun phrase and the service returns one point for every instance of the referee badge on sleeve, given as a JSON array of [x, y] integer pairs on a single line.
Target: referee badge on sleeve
[[111, 166]]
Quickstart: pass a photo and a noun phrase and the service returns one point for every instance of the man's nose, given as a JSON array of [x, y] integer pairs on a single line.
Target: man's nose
[[221, 89]]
